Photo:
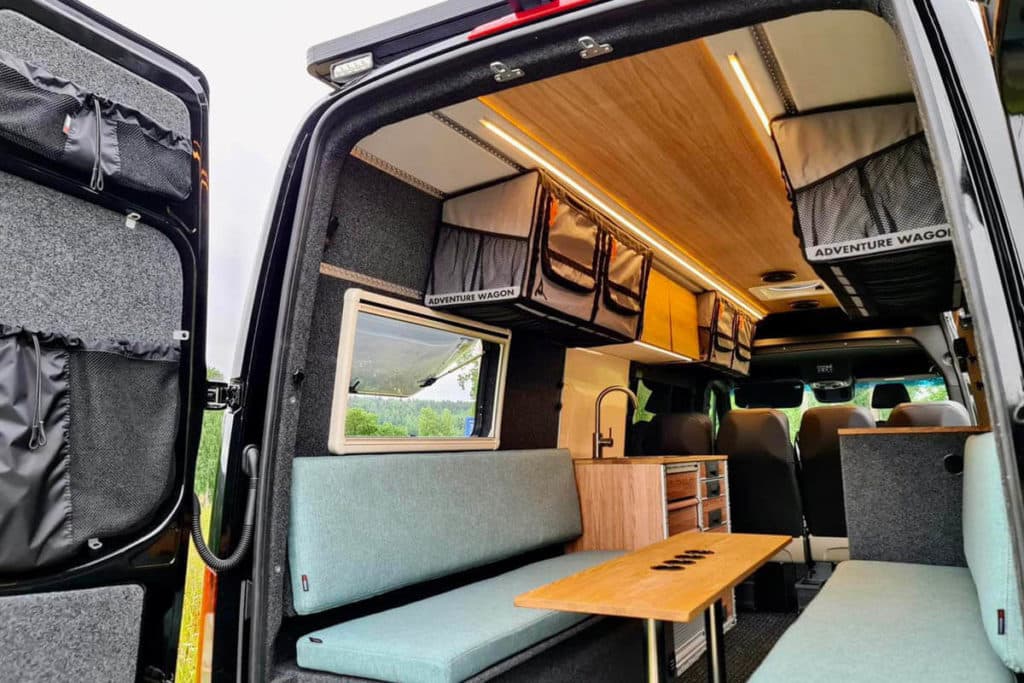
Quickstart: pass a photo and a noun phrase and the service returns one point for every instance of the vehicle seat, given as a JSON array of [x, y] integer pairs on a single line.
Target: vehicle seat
[[678, 434], [929, 414], [820, 470], [763, 493], [888, 396]]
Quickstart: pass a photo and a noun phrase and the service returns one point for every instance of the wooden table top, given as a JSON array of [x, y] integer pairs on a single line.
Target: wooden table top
[[628, 587], [650, 460]]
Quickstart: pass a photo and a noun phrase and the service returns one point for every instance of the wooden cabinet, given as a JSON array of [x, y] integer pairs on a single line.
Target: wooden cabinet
[[670, 317], [629, 503]]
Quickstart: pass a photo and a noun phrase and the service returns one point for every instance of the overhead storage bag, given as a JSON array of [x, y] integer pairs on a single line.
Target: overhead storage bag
[[528, 254], [98, 137], [715, 328], [867, 208], [743, 334]]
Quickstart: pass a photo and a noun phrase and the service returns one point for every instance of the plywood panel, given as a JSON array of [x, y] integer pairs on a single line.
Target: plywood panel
[[586, 374], [663, 134], [657, 328], [683, 305]]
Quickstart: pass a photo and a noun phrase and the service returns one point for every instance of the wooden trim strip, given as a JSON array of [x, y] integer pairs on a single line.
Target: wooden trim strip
[[889, 431], [340, 273]]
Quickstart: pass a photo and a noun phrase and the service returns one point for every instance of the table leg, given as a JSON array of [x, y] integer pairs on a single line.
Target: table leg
[[653, 661], [714, 619]]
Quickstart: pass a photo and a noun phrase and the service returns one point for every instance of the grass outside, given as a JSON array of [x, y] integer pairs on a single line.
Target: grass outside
[[196, 613]]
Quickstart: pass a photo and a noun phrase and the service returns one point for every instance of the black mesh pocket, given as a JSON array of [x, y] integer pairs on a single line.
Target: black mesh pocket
[[872, 205], [124, 414], [32, 116], [150, 165]]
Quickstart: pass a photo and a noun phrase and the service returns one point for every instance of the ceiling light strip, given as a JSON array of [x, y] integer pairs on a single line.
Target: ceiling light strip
[[672, 253], [748, 89]]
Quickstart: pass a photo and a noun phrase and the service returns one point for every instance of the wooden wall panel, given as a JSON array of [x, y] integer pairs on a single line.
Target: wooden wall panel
[[663, 134]]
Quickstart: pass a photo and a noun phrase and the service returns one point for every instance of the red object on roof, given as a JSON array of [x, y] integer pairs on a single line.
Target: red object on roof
[[525, 17]]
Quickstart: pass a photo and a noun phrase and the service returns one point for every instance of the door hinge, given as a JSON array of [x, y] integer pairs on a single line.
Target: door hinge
[[224, 395]]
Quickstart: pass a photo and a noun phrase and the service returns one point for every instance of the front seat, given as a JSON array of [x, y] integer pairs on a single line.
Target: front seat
[[678, 434], [929, 414], [820, 469], [763, 494]]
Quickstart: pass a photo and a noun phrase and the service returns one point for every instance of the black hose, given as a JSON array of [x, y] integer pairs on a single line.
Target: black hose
[[219, 564]]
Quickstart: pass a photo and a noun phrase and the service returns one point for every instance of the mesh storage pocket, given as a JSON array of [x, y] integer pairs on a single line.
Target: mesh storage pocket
[[124, 418], [150, 164], [878, 204], [468, 260], [30, 115], [570, 249]]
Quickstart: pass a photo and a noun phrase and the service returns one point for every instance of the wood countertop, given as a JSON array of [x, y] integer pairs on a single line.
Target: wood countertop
[[651, 460], [628, 587]]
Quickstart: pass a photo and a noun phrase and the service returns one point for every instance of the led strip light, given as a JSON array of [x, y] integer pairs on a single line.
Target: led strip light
[[660, 244]]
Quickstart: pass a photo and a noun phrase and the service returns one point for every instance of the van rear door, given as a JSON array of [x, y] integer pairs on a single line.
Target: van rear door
[[103, 263]]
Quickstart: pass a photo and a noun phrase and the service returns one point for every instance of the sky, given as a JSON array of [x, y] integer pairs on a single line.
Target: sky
[[254, 58]]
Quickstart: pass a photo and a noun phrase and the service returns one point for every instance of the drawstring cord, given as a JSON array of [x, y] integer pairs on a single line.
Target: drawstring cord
[[38, 436], [96, 182]]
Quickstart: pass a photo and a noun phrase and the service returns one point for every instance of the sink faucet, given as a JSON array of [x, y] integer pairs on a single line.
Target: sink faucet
[[600, 442]]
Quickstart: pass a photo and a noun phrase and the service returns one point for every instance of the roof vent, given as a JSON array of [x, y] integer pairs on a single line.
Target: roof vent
[[789, 290], [805, 304], [776, 276]]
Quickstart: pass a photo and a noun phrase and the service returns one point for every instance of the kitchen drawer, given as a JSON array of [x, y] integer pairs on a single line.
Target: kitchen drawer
[[712, 469], [715, 513], [682, 518], [680, 485], [712, 489]]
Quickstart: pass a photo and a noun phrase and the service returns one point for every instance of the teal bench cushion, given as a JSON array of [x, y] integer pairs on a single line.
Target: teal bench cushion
[[363, 525], [888, 621], [988, 550], [451, 636]]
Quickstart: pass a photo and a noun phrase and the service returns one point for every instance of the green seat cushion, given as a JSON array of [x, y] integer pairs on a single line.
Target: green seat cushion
[[888, 621], [988, 550], [365, 525], [450, 636]]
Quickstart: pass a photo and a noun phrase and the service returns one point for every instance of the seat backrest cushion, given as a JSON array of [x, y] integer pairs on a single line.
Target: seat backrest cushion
[[821, 472], [989, 551], [679, 434], [763, 494], [929, 414], [362, 526]]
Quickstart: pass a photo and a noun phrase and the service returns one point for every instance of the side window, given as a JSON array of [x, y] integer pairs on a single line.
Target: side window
[[410, 378]]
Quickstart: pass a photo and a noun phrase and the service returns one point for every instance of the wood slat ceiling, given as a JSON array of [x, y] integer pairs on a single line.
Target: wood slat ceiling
[[663, 134]]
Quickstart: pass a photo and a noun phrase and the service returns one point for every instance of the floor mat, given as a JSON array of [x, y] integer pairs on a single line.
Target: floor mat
[[746, 645]]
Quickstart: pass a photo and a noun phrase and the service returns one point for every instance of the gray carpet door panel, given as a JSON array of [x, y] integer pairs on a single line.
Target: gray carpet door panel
[[87, 635], [903, 502], [87, 435]]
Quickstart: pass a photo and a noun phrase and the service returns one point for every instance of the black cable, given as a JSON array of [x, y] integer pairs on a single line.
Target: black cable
[[219, 564]]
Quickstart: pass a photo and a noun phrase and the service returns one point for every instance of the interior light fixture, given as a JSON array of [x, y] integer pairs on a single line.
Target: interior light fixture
[[656, 242], [748, 89], [664, 352]]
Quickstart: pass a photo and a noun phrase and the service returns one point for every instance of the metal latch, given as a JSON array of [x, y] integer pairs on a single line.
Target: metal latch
[[590, 48], [503, 73], [224, 395]]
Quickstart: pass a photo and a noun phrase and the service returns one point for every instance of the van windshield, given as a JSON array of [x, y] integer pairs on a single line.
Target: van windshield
[[921, 389]]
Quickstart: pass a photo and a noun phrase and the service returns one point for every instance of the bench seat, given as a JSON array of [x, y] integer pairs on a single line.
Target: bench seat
[[447, 637], [888, 621]]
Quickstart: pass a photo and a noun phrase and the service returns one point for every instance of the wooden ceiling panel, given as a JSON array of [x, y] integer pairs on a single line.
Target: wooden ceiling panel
[[663, 134]]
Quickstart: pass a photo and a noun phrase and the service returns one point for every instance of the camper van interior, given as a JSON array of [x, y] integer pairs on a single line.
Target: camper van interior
[[652, 340], [743, 235]]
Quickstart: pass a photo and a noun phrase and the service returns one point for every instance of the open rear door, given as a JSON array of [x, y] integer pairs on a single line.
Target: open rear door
[[102, 328]]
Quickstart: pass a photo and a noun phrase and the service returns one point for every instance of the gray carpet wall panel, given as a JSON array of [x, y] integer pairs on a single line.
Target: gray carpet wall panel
[[901, 503], [35, 43], [85, 635], [72, 267]]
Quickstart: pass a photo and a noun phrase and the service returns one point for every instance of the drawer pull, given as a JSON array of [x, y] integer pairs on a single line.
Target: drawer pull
[[712, 468], [714, 489], [714, 518]]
